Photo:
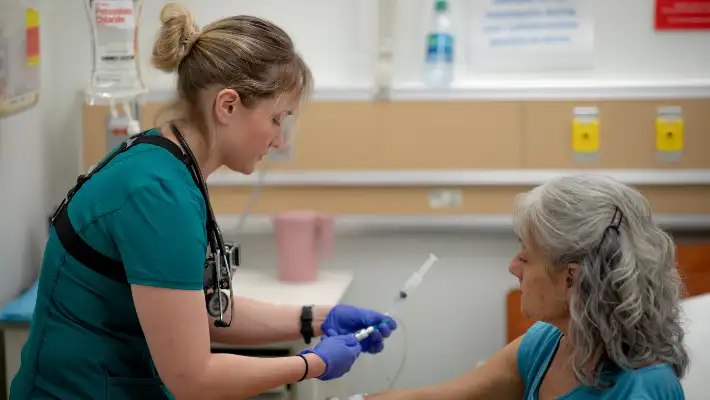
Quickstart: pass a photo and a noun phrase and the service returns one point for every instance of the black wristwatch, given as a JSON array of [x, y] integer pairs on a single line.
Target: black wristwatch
[[307, 323]]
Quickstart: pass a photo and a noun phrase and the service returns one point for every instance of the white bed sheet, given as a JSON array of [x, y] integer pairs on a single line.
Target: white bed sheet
[[696, 383]]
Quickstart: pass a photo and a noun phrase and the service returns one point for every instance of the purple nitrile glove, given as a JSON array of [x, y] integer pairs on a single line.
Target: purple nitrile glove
[[338, 352], [344, 319]]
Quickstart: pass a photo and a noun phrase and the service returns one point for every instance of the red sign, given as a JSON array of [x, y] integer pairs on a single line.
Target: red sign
[[682, 14]]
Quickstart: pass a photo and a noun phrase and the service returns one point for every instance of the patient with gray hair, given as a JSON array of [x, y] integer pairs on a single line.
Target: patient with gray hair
[[599, 276]]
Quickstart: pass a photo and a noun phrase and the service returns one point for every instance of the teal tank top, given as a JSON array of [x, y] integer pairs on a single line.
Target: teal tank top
[[656, 382]]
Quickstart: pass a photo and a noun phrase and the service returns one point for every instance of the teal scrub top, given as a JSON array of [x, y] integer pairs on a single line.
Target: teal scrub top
[[85, 340], [538, 347]]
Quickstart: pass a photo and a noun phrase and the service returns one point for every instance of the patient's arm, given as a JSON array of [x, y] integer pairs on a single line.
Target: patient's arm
[[497, 379]]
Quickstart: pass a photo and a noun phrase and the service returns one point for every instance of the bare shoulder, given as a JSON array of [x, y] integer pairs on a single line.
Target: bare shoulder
[[501, 370], [497, 378]]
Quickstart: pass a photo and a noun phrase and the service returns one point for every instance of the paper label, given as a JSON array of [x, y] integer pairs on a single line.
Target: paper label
[[114, 14], [440, 48], [114, 43]]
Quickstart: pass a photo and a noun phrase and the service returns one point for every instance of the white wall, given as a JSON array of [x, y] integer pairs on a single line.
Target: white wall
[[337, 38], [627, 46], [336, 51], [23, 211], [455, 320], [24, 178]]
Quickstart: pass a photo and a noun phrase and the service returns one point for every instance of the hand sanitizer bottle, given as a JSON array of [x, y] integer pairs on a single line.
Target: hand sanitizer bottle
[[439, 68]]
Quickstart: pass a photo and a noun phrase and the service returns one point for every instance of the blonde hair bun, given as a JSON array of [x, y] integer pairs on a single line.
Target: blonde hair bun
[[177, 35]]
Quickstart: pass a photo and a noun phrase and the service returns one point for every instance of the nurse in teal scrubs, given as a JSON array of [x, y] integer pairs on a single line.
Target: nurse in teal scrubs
[[94, 337]]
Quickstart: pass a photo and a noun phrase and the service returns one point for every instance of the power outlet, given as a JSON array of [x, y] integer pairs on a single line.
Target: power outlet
[[445, 198]]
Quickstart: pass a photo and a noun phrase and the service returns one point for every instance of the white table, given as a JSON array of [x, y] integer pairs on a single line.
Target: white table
[[264, 286], [257, 285]]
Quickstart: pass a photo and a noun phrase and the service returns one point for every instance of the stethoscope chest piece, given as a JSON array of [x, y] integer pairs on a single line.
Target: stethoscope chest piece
[[217, 279], [215, 307]]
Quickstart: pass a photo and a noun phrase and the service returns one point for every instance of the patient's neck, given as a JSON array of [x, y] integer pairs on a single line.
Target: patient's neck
[[565, 348], [562, 324]]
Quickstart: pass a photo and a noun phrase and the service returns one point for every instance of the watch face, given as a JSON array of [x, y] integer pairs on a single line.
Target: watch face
[[213, 307], [232, 255], [208, 276]]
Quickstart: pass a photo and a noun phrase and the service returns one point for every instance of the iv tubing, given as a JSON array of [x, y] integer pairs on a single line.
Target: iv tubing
[[428, 264], [412, 283], [399, 300]]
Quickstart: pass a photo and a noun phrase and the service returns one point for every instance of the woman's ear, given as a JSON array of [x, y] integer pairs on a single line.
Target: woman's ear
[[226, 103], [571, 275]]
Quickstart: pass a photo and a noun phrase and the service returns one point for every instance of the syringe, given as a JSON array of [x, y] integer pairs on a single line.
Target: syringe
[[412, 283]]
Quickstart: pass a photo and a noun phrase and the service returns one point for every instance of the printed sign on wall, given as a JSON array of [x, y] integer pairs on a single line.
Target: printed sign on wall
[[536, 34], [683, 14]]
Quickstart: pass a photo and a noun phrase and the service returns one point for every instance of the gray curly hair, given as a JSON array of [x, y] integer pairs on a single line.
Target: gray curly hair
[[624, 309]]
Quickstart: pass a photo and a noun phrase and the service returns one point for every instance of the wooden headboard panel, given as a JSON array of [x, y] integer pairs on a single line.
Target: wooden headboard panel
[[693, 263], [517, 323]]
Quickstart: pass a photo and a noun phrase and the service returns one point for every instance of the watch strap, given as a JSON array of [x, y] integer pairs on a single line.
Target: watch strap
[[307, 323]]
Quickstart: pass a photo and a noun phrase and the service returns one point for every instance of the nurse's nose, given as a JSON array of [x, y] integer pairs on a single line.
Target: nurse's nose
[[279, 142]]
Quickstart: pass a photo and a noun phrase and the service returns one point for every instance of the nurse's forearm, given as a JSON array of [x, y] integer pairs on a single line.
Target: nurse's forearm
[[232, 377], [255, 322]]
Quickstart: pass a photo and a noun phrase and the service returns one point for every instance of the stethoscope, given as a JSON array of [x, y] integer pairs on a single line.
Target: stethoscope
[[218, 264]]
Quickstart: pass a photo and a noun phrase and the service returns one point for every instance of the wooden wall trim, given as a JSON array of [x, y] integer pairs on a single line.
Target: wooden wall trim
[[464, 224], [498, 148], [543, 90], [389, 178], [463, 135], [511, 90], [682, 200]]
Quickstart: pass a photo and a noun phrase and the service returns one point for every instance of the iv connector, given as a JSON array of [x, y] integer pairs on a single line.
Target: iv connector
[[363, 334]]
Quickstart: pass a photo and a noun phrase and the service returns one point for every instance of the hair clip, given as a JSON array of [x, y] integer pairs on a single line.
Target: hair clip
[[616, 219]]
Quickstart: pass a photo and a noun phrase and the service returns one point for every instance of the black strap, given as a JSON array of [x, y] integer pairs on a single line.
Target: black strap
[[305, 374], [167, 144], [307, 324], [85, 254], [72, 241]]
